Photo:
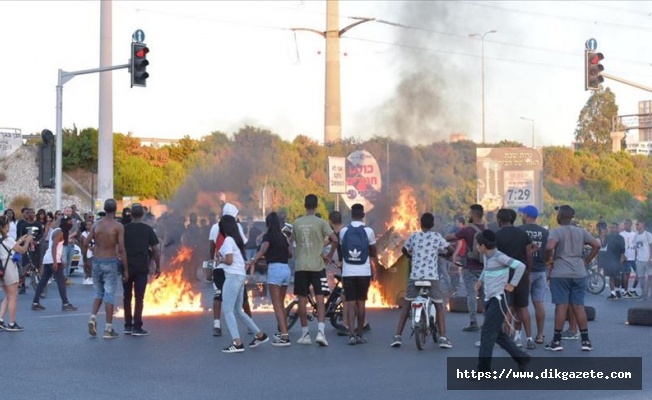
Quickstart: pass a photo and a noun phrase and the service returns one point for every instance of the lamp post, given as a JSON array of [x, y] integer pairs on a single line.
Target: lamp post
[[481, 36], [532, 121]]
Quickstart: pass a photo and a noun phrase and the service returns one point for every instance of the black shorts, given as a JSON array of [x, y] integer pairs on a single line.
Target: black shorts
[[304, 279], [218, 284], [521, 295], [356, 287]]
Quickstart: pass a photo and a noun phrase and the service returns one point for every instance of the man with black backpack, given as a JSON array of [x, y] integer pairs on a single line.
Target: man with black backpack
[[359, 256], [473, 267]]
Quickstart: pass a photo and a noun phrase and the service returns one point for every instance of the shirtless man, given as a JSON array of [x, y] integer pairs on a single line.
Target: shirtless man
[[109, 240]]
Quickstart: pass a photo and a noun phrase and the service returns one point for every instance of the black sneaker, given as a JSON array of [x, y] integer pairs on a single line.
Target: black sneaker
[[472, 327], [586, 345], [523, 362], [110, 334], [37, 307], [127, 330], [281, 341], [217, 331], [14, 327], [2, 326], [68, 307], [92, 327], [619, 295], [554, 346], [360, 339], [256, 342], [366, 328], [139, 332], [234, 348], [612, 297]]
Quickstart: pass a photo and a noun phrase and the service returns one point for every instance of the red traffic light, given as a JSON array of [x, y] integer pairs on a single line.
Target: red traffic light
[[142, 52], [597, 57]]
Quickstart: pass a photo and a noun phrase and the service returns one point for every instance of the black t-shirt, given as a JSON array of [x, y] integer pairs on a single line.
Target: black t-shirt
[[513, 242], [30, 228], [539, 236], [611, 251], [275, 253], [138, 239]]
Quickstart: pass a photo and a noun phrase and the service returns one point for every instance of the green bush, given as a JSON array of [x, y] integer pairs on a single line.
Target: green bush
[[68, 188]]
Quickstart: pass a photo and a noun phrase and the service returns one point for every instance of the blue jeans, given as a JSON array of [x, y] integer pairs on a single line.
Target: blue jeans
[[48, 272], [66, 258], [470, 278], [137, 284], [105, 278], [232, 293], [492, 333]]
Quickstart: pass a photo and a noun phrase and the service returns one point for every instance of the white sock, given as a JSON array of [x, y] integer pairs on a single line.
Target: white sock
[[320, 327], [93, 316], [216, 323], [304, 330], [108, 326], [517, 335]]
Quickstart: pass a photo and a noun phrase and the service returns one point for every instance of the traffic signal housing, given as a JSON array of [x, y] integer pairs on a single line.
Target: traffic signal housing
[[593, 70], [138, 64]]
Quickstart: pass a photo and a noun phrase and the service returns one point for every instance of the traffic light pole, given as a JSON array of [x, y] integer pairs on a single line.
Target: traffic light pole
[[626, 82], [63, 78]]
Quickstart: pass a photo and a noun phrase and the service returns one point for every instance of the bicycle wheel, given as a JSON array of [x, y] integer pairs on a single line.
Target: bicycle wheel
[[596, 283], [433, 330], [292, 313], [421, 331], [34, 278], [337, 319]]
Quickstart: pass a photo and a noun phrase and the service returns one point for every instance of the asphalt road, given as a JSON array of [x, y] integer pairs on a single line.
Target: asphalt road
[[55, 358]]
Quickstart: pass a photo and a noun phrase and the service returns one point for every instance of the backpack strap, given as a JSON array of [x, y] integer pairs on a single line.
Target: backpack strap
[[475, 228]]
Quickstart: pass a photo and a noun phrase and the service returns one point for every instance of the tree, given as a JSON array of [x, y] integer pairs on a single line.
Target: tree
[[594, 124]]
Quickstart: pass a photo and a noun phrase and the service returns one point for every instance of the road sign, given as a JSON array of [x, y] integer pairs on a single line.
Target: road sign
[[591, 44], [138, 36]]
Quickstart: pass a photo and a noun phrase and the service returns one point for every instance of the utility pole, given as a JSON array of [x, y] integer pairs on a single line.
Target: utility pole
[[105, 133]]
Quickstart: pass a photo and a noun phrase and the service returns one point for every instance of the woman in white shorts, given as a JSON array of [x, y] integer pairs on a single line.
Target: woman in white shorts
[[9, 280], [277, 252]]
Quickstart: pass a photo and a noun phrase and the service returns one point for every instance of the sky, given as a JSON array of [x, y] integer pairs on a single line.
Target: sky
[[218, 65]]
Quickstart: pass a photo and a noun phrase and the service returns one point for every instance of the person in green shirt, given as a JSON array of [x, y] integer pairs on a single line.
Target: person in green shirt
[[308, 234]]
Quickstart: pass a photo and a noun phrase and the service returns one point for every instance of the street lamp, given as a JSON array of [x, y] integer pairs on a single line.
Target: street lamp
[[531, 120], [481, 36]]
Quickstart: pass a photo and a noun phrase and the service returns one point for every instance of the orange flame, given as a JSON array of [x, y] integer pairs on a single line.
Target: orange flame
[[170, 293], [375, 297], [404, 220]]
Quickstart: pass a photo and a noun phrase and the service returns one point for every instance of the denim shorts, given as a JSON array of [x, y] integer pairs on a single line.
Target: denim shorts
[[568, 290], [105, 278], [278, 274], [538, 286]]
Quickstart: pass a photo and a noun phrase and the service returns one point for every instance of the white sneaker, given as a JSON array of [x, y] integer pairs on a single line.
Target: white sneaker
[[88, 281], [305, 339], [321, 339]]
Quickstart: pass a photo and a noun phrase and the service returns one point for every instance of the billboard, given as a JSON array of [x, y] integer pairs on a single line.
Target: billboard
[[363, 181], [509, 177], [336, 175], [10, 140]]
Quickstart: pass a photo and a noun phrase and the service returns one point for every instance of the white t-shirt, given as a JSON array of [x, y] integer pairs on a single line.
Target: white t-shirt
[[362, 269], [630, 244], [215, 230], [89, 252], [9, 243], [12, 230], [238, 265], [47, 258], [643, 241]]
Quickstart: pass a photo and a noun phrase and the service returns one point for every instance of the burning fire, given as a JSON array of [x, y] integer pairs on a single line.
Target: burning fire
[[375, 298], [170, 293], [404, 220]]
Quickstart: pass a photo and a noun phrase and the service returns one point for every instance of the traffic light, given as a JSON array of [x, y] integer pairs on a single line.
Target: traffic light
[[138, 64], [46, 175], [593, 70]]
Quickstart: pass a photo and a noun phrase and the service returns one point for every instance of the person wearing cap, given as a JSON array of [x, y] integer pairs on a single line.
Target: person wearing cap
[[629, 264], [497, 284], [140, 242], [539, 272], [515, 243], [568, 277]]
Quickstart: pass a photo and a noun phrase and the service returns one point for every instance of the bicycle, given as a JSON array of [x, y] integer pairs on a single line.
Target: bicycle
[[33, 272], [596, 282], [334, 307], [424, 315]]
